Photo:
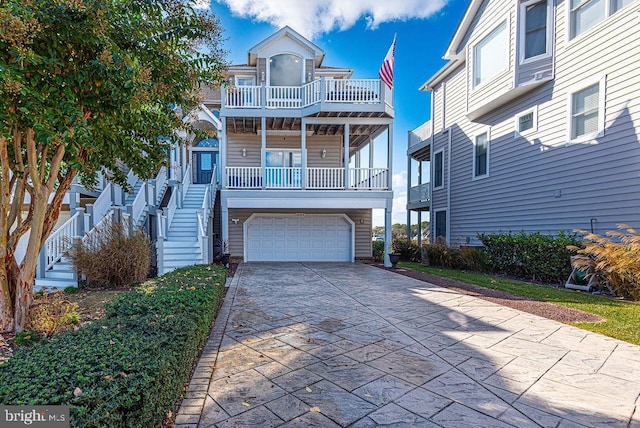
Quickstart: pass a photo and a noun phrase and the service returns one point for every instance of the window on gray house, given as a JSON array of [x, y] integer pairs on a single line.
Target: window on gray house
[[585, 14], [438, 170], [535, 38], [441, 224], [584, 111], [525, 122], [481, 157], [619, 4], [491, 55]]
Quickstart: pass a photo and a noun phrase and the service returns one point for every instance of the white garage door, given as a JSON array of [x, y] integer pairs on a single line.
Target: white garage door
[[298, 238]]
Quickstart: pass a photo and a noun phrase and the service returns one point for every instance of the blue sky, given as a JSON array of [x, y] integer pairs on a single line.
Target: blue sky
[[357, 34]]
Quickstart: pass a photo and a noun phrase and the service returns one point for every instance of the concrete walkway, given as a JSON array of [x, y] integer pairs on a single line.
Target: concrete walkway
[[329, 345]]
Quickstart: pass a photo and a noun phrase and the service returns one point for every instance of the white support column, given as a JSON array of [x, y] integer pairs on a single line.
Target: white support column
[[303, 152], [357, 159], [346, 156], [371, 153], [419, 229], [387, 233], [223, 152], [408, 198], [390, 155], [263, 151], [224, 222]]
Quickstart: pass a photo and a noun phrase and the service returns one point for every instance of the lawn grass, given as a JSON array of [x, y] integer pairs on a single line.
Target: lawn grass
[[622, 318]]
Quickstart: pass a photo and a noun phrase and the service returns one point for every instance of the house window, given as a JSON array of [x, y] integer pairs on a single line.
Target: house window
[[491, 55], [245, 81], [585, 14], [481, 156], [438, 170], [441, 224], [535, 31], [285, 70], [526, 122], [586, 115]]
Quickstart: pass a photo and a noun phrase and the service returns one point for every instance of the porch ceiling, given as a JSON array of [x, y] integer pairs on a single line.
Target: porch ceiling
[[358, 134]]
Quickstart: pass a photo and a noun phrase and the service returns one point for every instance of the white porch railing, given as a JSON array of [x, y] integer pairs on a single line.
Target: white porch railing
[[420, 193], [325, 178], [316, 178], [354, 91], [284, 96], [244, 177], [368, 178], [420, 134], [61, 240]]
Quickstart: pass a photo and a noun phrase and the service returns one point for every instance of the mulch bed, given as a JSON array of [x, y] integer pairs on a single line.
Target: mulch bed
[[543, 309]]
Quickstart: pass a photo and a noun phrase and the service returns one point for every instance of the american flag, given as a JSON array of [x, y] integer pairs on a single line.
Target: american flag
[[386, 70]]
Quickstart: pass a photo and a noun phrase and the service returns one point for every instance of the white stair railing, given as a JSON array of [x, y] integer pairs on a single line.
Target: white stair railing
[[60, 241], [186, 182], [161, 182], [104, 222], [137, 207], [102, 204]]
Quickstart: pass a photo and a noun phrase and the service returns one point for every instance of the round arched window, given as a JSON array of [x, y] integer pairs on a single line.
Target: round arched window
[[285, 70]]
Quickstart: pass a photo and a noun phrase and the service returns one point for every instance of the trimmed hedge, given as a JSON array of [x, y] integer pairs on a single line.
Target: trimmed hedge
[[533, 257], [129, 368]]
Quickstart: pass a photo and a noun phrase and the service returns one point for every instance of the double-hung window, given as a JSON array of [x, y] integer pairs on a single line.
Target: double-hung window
[[585, 14], [438, 170], [586, 107], [535, 29], [491, 55], [481, 156]]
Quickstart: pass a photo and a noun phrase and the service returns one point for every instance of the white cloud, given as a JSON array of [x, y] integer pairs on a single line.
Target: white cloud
[[398, 213], [314, 17], [400, 181], [202, 4]]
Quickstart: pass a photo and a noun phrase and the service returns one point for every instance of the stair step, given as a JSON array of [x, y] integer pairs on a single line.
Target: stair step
[[59, 274], [58, 284]]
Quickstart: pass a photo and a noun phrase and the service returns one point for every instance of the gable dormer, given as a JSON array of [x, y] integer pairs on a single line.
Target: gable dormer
[[285, 59]]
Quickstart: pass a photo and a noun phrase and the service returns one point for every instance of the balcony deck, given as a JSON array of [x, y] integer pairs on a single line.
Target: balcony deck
[[420, 197], [295, 178], [420, 142], [319, 97]]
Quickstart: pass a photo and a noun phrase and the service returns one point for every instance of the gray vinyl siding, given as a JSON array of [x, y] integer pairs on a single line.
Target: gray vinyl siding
[[535, 70], [437, 109], [361, 218], [540, 181], [315, 144]]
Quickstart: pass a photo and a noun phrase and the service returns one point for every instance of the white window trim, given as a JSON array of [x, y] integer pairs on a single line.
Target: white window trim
[[517, 133], [244, 76], [446, 223], [268, 68], [479, 40], [608, 12], [602, 89], [522, 31], [475, 177], [434, 169]]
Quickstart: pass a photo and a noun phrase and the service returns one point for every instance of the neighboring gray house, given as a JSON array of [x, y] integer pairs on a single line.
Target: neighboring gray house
[[535, 121]]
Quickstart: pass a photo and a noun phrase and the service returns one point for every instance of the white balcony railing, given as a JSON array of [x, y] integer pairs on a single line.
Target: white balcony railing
[[343, 91], [420, 193], [316, 178], [420, 134], [368, 178]]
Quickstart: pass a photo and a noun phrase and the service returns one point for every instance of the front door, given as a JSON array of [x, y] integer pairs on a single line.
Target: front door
[[204, 163]]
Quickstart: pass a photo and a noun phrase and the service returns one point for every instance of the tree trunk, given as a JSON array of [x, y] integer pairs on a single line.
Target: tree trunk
[[7, 323]]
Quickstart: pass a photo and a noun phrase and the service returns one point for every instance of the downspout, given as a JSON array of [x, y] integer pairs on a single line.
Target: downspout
[[449, 187]]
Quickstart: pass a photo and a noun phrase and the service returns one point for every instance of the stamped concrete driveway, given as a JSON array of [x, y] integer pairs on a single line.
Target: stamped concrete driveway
[[353, 345]]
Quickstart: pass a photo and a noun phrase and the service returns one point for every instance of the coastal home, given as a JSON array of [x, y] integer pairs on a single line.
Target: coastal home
[[534, 123], [298, 176], [283, 170]]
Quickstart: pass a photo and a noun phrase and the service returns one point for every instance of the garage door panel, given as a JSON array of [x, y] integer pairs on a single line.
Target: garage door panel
[[294, 238]]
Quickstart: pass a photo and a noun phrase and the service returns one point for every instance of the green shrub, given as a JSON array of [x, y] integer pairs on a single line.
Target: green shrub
[[441, 255], [128, 369], [111, 257], [534, 257], [51, 313], [475, 259], [614, 258], [409, 251], [378, 251]]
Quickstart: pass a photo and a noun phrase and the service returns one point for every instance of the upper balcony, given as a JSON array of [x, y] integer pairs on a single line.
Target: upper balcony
[[321, 96], [419, 143]]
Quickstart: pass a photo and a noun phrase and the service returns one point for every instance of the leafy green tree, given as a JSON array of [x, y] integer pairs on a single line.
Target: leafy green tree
[[85, 85]]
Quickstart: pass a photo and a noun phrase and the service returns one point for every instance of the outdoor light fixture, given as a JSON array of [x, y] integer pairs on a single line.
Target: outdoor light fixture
[[244, 152], [323, 153]]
